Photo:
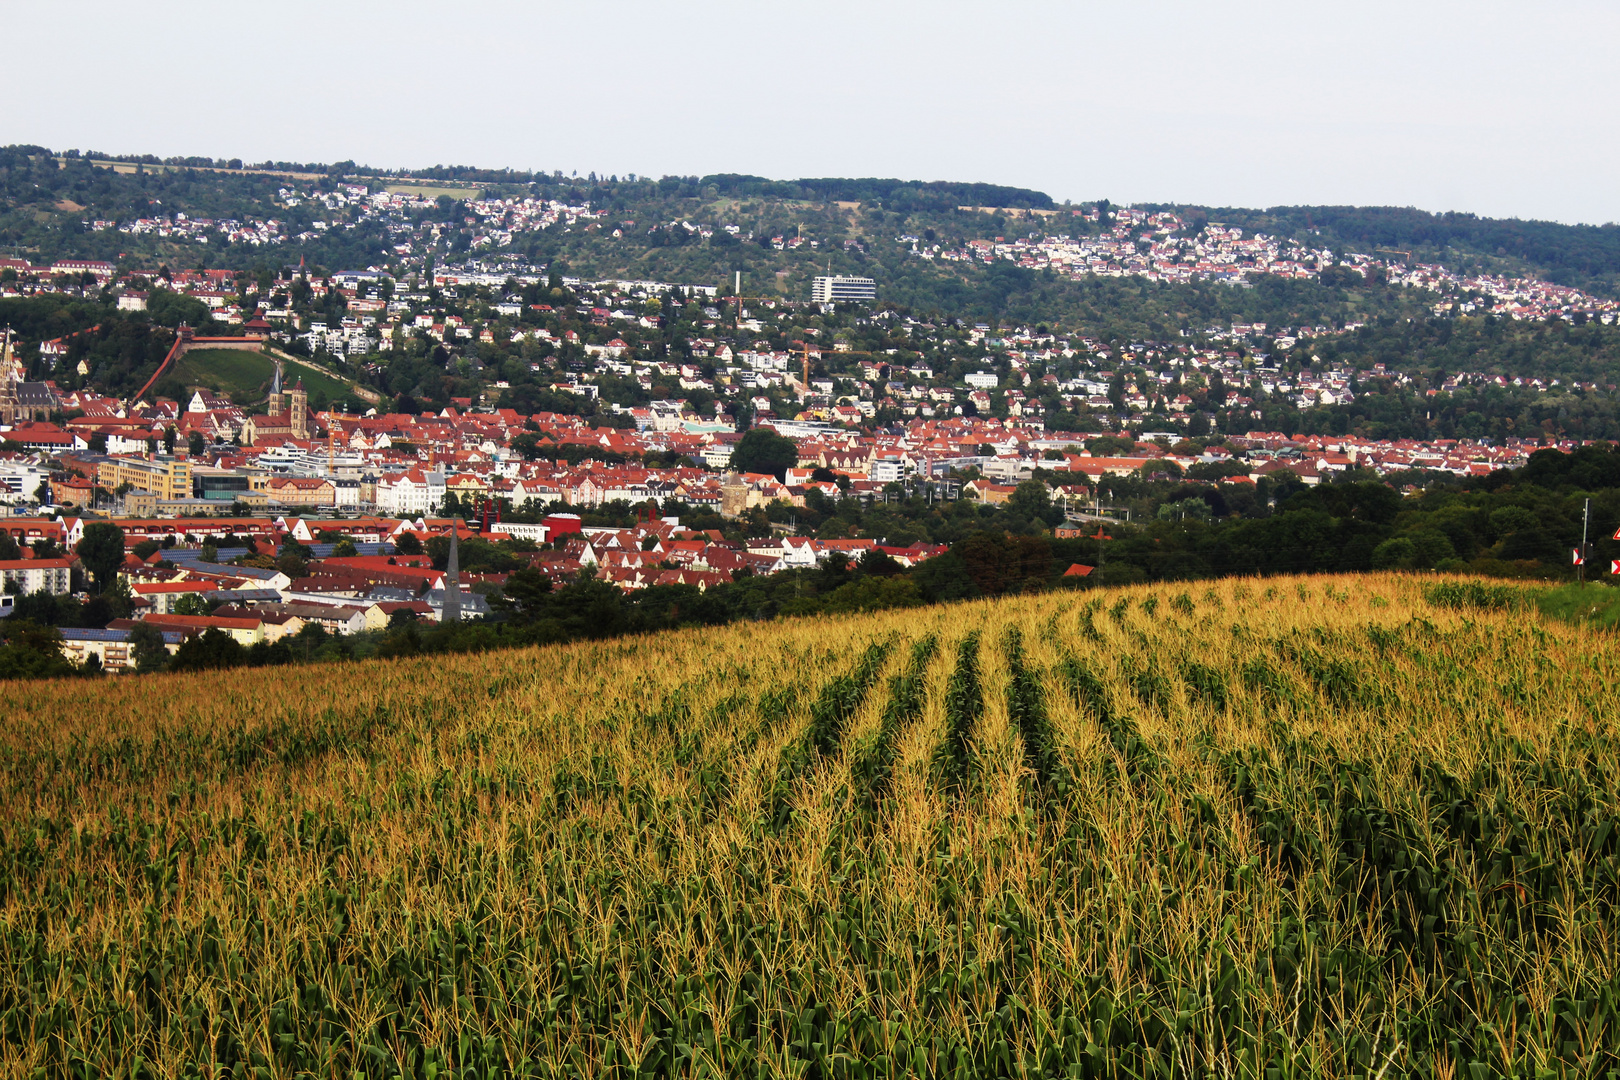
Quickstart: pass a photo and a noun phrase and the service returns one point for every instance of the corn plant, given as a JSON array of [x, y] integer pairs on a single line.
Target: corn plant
[[1149, 833]]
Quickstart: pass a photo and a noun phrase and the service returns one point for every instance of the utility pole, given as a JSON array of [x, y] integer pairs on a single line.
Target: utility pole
[[1100, 537], [1580, 568]]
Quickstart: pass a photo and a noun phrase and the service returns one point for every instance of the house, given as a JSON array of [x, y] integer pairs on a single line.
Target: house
[[302, 490], [223, 576], [988, 492], [164, 595], [245, 630], [54, 576], [110, 646], [277, 622], [333, 618], [414, 491]]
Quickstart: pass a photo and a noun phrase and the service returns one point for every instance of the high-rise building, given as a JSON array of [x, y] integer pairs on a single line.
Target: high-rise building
[[843, 290]]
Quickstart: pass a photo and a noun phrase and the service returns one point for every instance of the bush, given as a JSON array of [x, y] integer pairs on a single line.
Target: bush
[[1396, 553], [1475, 595]]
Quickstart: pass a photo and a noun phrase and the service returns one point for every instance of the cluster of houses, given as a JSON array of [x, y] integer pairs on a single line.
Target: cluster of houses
[[169, 458], [1159, 247], [397, 211], [179, 584], [181, 587]]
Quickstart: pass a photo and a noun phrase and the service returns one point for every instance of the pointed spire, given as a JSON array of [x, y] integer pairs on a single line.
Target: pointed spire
[[275, 381], [452, 578]]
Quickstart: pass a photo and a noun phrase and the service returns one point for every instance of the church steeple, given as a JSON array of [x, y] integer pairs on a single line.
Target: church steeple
[[452, 579], [276, 406], [11, 409]]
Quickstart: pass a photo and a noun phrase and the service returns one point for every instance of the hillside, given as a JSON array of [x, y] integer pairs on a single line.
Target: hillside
[[245, 377], [1283, 827], [1586, 256], [80, 206]]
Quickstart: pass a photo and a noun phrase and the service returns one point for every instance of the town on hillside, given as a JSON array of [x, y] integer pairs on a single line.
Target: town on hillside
[[293, 446], [208, 498]]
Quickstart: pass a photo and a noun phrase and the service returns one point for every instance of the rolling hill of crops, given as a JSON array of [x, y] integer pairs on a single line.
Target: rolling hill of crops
[[1277, 828]]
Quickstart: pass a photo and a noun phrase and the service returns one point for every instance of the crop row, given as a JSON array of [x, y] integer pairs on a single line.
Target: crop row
[[1298, 828]]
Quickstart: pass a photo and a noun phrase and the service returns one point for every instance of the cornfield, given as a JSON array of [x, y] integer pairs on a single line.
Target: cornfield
[[1293, 827]]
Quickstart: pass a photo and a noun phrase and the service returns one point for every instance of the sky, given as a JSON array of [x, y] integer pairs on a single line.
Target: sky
[[1504, 110]]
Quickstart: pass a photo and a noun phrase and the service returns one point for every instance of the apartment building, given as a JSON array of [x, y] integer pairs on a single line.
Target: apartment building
[[842, 290], [164, 476]]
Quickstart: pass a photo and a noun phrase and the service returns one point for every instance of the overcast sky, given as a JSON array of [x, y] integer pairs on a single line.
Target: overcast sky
[[1507, 110]]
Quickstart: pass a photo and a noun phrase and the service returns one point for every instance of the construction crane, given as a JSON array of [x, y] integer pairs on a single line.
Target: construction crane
[[804, 353], [737, 299], [736, 314], [804, 347]]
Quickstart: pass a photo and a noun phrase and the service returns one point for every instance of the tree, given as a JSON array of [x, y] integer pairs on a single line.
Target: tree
[[146, 549], [527, 444], [211, 649], [1030, 499], [102, 550], [196, 444], [1110, 445], [400, 618], [407, 543], [1395, 553], [344, 549], [876, 563], [32, 651], [147, 648], [764, 451], [526, 591], [310, 637], [9, 551], [999, 563], [193, 604]]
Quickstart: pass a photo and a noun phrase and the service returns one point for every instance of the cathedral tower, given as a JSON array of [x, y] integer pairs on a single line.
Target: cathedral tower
[[276, 405], [298, 403]]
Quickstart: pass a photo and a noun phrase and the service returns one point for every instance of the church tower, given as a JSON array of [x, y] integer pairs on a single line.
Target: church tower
[[10, 407], [276, 406], [10, 404], [298, 402], [451, 611]]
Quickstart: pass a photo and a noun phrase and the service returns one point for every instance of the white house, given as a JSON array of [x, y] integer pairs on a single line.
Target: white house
[[415, 491], [54, 576]]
